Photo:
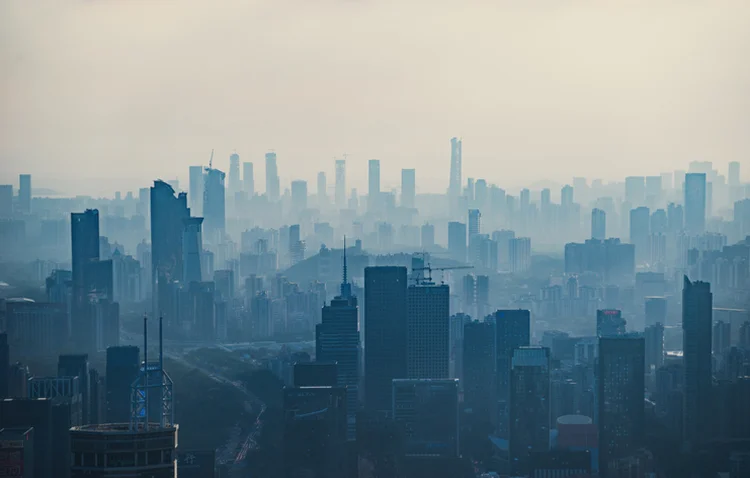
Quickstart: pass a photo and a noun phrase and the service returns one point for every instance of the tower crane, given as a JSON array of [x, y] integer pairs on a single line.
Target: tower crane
[[422, 279]]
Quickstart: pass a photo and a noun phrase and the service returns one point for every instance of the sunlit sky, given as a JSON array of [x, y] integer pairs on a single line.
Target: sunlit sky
[[104, 95]]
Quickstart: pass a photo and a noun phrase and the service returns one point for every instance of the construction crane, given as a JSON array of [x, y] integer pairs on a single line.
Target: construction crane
[[211, 160], [422, 279]]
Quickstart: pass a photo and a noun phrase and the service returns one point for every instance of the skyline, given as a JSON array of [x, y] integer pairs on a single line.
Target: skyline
[[524, 86]]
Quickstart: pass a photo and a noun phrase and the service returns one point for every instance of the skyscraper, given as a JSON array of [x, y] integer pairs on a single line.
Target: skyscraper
[[512, 330], [337, 340], [299, 195], [408, 187], [609, 323], [373, 182], [84, 229], [479, 369], [214, 206], [195, 192], [529, 406], [340, 183], [428, 236], [733, 174], [635, 190], [385, 333], [235, 182], [248, 179], [697, 303], [654, 338], [598, 224], [428, 331], [6, 201], [272, 177], [167, 214], [475, 224], [192, 248], [77, 365], [24, 193], [620, 394], [695, 203], [640, 227], [322, 188], [454, 187], [122, 370], [457, 241]]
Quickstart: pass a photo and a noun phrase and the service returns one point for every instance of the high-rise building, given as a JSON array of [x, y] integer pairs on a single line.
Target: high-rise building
[[635, 190], [214, 206], [408, 187], [6, 201], [167, 214], [428, 236], [620, 395], [322, 188], [512, 330], [192, 248], [654, 338], [697, 303], [78, 366], [428, 331], [479, 369], [340, 183], [373, 182], [122, 370], [529, 406], [457, 241], [4, 365], [235, 182], [566, 196], [195, 191], [609, 323], [248, 179], [733, 174], [519, 254], [640, 224], [63, 389], [695, 203], [454, 187], [299, 195], [272, 177], [385, 333], [656, 310], [315, 432], [427, 411], [24, 194], [475, 218], [337, 340], [598, 224]]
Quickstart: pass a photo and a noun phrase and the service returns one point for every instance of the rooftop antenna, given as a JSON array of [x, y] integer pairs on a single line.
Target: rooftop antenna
[[211, 160], [346, 288]]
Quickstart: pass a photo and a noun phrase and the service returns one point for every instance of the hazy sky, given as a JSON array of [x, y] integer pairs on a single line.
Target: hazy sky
[[99, 95]]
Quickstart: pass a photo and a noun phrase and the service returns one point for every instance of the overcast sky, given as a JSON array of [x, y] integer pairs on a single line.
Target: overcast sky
[[98, 95]]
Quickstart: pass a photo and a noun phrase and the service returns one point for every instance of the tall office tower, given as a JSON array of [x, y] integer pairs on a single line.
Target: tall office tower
[[454, 186], [24, 193], [122, 370], [214, 206], [192, 248], [697, 303], [675, 218], [340, 183], [428, 331], [733, 174], [322, 188], [428, 236], [337, 340], [609, 323], [640, 224], [296, 245], [457, 241], [195, 192], [598, 224], [4, 365], [659, 222], [248, 179], [373, 184], [620, 394], [479, 369], [315, 428], [519, 254], [167, 214], [235, 182], [475, 218], [272, 178], [481, 194], [385, 333], [529, 406], [408, 187], [6, 201], [512, 330], [427, 410], [654, 339], [84, 229], [566, 196], [656, 310], [653, 190], [299, 195], [78, 366], [635, 190], [695, 203]]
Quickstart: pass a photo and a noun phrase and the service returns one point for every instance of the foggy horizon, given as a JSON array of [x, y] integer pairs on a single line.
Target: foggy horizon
[[90, 91]]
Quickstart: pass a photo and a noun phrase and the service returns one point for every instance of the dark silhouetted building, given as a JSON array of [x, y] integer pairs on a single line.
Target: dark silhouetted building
[[78, 366], [695, 203], [479, 369], [385, 334], [620, 395], [609, 323], [84, 228], [428, 331], [512, 330], [17, 452], [529, 406], [315, 374], [122, 370], [4, 365]]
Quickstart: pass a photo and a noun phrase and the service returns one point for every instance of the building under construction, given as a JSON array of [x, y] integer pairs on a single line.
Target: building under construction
[[143, 448]]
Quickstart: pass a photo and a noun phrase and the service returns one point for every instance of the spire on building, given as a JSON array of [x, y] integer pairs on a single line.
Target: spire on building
[[346, 287]]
